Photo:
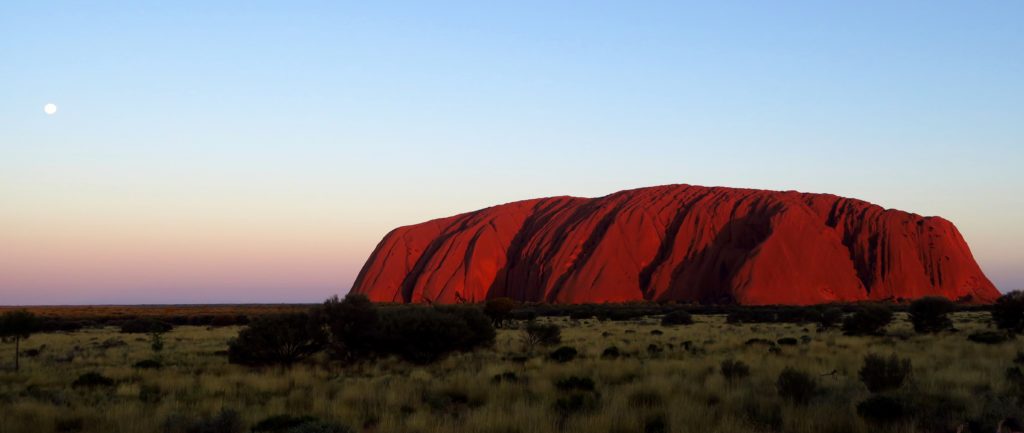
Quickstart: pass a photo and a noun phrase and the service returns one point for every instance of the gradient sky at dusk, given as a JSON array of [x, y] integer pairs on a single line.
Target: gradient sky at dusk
[[257, 151]]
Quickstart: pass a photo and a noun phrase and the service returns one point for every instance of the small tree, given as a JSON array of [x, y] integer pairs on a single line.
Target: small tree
[[880, 374], [499, 310], [280, 339], [1008, 311], [539, 334], [868, 320], [16, 326], [931, 314]]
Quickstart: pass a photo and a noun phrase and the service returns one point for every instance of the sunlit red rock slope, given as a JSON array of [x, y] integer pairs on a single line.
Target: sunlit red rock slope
[[678, 242]]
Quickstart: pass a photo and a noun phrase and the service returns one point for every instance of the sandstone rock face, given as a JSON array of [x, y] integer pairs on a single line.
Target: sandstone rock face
[[678, 242]]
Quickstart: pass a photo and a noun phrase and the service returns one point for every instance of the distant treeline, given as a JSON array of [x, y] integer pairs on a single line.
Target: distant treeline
[[735, 313], [72, 318]]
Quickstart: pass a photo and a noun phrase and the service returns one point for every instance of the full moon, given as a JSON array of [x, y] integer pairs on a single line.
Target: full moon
[[50, 108]]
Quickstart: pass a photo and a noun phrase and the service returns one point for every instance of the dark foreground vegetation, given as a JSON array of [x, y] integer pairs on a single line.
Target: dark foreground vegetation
[[348, 366]]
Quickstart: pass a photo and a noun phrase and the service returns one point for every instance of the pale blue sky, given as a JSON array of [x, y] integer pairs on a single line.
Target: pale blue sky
[[257, 151]]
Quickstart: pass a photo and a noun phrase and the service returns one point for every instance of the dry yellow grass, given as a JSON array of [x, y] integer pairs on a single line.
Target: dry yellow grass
[[393, 396]]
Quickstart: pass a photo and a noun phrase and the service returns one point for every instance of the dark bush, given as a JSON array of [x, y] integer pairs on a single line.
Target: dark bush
[[796, 386], [581, 315], [224, 321], [989, 337], [150, 393], [539, 334], [281, 423], [353, 324], [1008, 312], [931, 314], [830, 317], [277, 340], [499, 310], [882, 409], [52, 324], [654, 349], [563, 354], [678, 317], [610, 353], [787, 341], [145, 326], [148, 364], [1015, 382], [68, 425], [92, 380], [507, 377], [765, 414], [320, 427], [423, 335], [577, 403], [772, 315], [575, 383], [733, 370], [763, 341], [881, 374], [936, 412], [227, 421], [868, 320], [112, 343], [655, 423], [524, 314]]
